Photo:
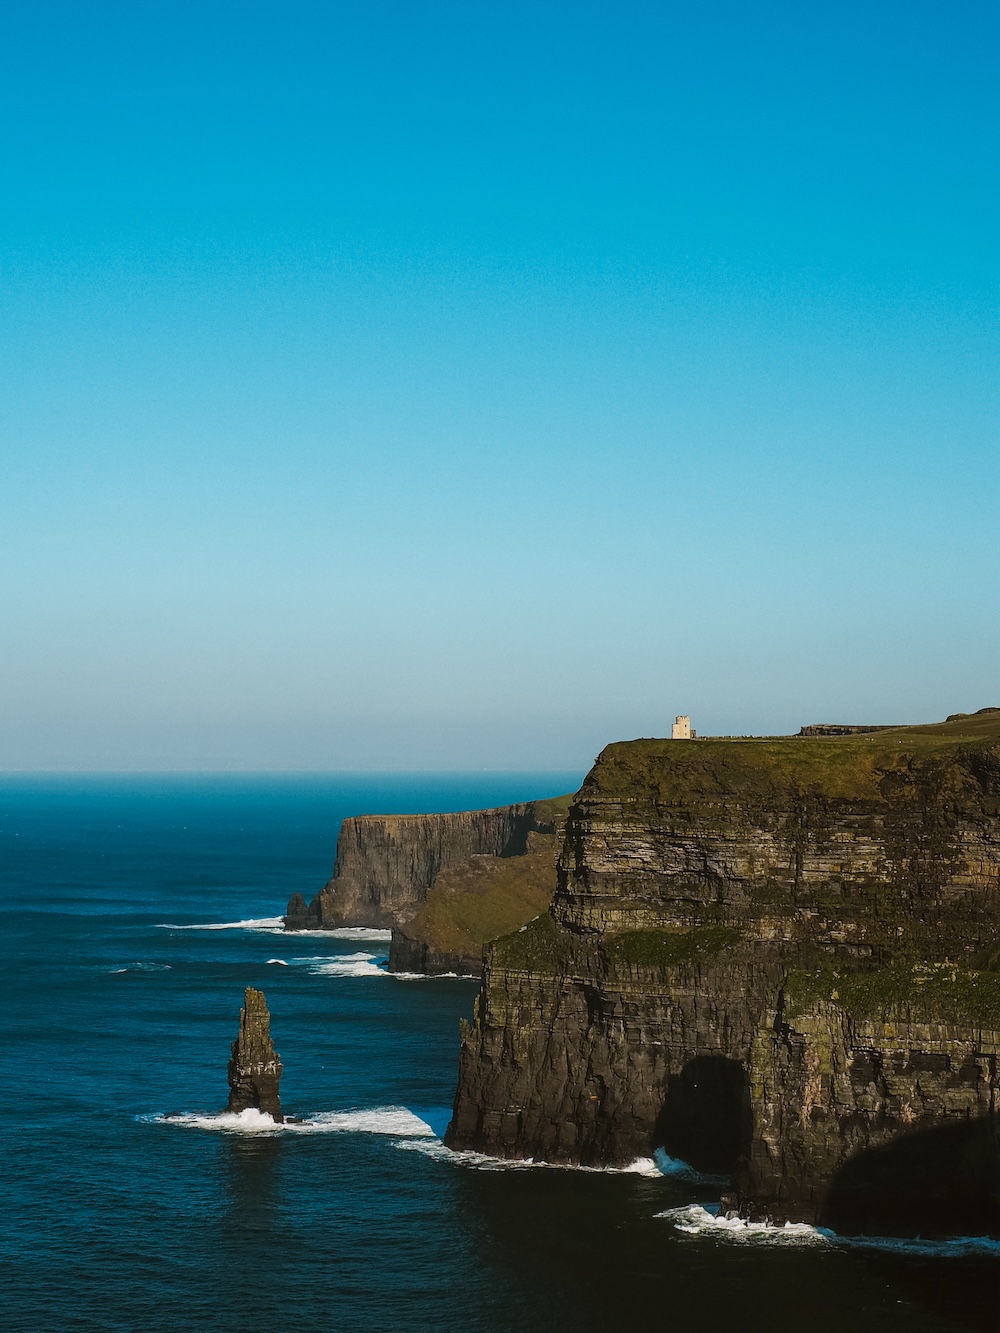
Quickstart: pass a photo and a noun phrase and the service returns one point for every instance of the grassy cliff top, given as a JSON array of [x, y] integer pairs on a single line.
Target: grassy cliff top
[[552, 809], [836, 766], [473, 902]]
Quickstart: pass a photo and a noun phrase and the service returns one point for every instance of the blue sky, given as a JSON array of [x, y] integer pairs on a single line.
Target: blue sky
[[466, 386]]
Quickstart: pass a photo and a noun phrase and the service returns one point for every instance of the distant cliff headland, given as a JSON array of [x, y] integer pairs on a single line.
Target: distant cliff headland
[[445, 884]]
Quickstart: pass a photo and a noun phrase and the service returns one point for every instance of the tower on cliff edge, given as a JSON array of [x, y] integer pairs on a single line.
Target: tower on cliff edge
[[681, 730], [255, 1069]]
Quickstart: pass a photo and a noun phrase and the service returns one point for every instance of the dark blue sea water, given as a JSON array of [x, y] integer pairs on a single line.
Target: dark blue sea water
[[116, 1012]]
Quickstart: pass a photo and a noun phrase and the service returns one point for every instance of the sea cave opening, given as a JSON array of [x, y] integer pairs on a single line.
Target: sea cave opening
[[706, 1118]]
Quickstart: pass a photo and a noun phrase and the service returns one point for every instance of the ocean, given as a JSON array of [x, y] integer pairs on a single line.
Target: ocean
[[135, 911]]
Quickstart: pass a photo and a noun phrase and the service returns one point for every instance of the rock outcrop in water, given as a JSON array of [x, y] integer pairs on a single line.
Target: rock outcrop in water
[[446, 883], [772, 958], [255, 1069]]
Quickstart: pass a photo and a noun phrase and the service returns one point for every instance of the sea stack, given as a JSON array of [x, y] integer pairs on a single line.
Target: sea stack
[[255, 1069]]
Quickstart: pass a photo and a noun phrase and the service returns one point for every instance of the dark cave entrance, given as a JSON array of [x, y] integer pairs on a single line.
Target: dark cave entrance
[[706, 1119]]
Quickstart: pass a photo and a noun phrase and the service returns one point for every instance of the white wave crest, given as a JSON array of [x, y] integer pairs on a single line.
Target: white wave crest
[[141, 967], [360, 933], [642, 1166], [280, 961], [270, 925], [678, 1169], [951, 1247], [433, 976], [391, 1120], [695, 1220], [347, 965], [698, 1221]]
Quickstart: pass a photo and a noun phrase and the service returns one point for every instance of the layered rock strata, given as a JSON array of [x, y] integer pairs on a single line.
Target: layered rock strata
[[473, 902], [410, 872], [255, 1068], [770, 958]]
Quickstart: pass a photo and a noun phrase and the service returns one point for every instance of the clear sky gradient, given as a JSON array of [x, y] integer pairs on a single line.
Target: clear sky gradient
[[452, 385]]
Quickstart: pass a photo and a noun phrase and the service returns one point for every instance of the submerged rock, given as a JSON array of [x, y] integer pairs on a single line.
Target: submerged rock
[[255, 1069]]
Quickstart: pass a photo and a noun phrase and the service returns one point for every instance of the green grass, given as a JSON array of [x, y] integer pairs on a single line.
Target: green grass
[[539, 946], [663, 948], [926, 992], [477, 900], [554, 809], [835, 767]]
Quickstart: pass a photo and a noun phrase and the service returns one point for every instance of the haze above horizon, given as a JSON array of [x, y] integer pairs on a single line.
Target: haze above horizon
[[446, 387]]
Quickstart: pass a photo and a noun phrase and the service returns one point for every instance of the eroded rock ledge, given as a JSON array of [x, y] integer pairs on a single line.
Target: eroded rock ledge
[[772, 958]]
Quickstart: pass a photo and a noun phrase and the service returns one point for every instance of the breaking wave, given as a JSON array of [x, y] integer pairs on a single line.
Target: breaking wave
[[432, 976], [275, 925], [642, 1166], [359, 933], [696, 1220], [141, 967], [684, 1171], [271, 925], [951, 1247], [390, 1120], [347, 965]]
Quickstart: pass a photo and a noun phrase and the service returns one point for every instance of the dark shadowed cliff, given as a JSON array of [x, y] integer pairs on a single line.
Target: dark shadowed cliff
[[771, 958]]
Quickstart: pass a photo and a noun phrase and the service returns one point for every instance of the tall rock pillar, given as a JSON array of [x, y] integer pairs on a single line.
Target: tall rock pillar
[[255, 1070]]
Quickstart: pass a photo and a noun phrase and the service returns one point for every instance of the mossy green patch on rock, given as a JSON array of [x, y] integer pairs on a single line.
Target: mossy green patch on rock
[[666, 948], [539, 946], [484, 897], [939, 992]]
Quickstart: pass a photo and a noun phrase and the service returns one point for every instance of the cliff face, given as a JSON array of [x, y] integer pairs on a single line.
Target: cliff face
[[770, 958], [473, 902], [386, 865]]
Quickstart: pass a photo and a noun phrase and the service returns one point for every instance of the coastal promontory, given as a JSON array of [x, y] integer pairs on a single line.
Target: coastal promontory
[[771, 958], [445, 884]]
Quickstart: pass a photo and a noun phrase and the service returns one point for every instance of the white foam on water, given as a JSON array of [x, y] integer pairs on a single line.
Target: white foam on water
[[347, 965], [678, 1169], [390, 1120], [280, 961], [642, 1166], [250, 1121], [141, 967], [270, 925], [696, 1220], [431, 976], [951, 1247], [360, 933]]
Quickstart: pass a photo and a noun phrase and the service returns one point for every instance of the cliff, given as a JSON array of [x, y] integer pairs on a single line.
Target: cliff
[[473, 902], [772, 958], [445, 883]]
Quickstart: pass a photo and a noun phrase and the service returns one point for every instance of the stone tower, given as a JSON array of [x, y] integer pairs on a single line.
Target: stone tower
[[681, 730], [255, 1070]]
